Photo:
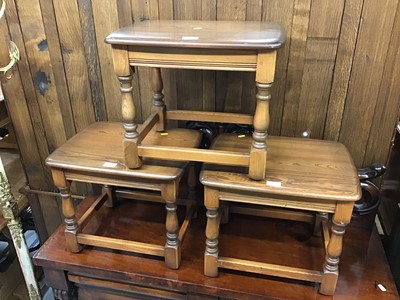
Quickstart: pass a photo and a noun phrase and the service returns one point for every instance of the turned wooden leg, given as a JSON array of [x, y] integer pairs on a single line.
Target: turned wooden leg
[[125, 74], [265, 72], [71, 225], [258, 152], [111, 199], [158, 99], [340, 219], [130, 141], [211, 202], [172, 250], [319, 218]]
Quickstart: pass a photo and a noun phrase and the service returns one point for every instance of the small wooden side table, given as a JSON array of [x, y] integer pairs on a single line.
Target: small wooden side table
[[303, 176], [202, 45], [95, 155]]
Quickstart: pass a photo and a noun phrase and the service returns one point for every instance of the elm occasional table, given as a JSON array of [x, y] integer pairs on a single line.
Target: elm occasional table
[[201, 45]]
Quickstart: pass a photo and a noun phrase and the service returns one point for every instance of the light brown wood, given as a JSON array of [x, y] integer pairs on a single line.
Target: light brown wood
[[106, 18], [201, 59], [95, 206], [198, 45], [269, 269], [68, 21], [202, 116], [202, 90], [328, 166], [72, 227], [42, 73], [281, 12], [343, 64], [185, 154], [93, 156], [158, 99], [88, 152], [389, 92], [366, 75], [118, 244], [311, 178], [295, 67]]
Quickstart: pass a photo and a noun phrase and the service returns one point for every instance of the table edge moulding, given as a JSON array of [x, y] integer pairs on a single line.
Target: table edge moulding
[[202, 45]]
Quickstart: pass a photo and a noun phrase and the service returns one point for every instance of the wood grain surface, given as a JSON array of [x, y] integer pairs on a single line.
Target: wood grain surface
[[336, 75]]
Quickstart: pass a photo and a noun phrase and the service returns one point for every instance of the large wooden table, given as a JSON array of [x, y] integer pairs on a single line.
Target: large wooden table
[[108, 274]]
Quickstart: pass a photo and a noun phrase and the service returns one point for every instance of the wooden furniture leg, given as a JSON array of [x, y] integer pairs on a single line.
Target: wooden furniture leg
[[71, 225], [172, 252], [340, 219], [264, 78], [211, 202], [158, 99], [111, 199], [319, 218], [125, 74]]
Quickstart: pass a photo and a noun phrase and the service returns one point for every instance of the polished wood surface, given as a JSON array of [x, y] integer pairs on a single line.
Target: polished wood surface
[[307, 168], [201, 34], [98, 149], [219, 45], [331, 79], [310, 175], [120, 275], [96, 155]]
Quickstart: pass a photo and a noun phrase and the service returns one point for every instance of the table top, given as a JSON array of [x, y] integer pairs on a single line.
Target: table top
[[201, 34], [99, 149], [296, 167], [362, 264]]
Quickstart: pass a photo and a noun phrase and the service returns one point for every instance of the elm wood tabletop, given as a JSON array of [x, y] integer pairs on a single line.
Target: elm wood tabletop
[[310, 177], [202, 45], [95, 155], [108, 274]]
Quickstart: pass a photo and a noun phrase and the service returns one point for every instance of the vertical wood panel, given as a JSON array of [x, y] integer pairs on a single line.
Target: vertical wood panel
[[344, 63], [30, 18], [387, 107], [209, 12], [366, 75], [52, 45], [28, 87], [20, 117], [189, 84], [323, 34], [248, 93], [92, 59], [70, 32], [230, 84], [166, 12], [301, 12], [144, 10], [281, 12], [106, 20]]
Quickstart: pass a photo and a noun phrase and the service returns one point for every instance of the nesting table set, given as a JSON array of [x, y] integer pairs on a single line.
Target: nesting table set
[[279, 177]]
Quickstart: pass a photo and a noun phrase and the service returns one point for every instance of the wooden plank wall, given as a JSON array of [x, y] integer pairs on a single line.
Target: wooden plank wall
[[336, 75]]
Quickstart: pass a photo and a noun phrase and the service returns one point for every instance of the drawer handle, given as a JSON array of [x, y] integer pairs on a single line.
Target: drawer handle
[[2, 8], [14, 58]]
